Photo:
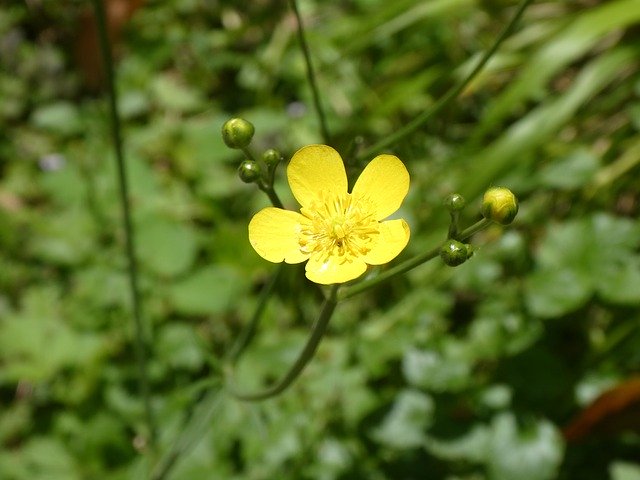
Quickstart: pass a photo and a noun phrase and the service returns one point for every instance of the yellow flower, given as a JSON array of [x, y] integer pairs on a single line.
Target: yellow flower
[[339, 233]]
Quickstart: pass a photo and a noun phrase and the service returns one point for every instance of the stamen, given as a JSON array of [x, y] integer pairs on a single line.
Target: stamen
[[339, 226]]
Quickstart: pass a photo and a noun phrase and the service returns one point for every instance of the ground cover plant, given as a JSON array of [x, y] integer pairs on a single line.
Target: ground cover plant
[[512, 354]]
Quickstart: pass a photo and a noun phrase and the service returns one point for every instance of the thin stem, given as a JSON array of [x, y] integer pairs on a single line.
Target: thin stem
[[317, 332], [410, 264], [311, 77], [250, 330], [451, 94], [454, 225], [248, 153], [199, 422], [271, 193], [116, 134]]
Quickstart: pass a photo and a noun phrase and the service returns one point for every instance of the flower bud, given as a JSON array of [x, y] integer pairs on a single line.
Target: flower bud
[[249, 171], [237, 133], [271, 157], [455, 202], [499, 205], [454, 253]]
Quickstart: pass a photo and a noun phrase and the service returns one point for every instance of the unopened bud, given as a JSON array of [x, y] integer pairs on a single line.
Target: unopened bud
[[237, 133], [249, 171], [454, 253], [455, 202], [499, 205], [271, 157]]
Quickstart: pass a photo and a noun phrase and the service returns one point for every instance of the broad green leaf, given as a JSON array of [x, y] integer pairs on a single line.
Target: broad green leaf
[[406, 423], [533, 452], [438, 371], [174, 95], [62, 118], [210, 290], [619, 470], [166, 247], [471, 446], [572, 171], [178, 346]]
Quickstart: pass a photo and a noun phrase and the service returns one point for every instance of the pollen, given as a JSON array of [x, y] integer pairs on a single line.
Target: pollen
[[341, 227]]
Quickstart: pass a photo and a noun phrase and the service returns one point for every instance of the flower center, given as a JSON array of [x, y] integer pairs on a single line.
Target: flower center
[[338, 226]]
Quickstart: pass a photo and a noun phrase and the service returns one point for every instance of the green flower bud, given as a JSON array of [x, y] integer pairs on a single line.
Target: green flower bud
[[272, 157], [237, 133], [454, 253], [455, 202], [249, 171], [499, 205]]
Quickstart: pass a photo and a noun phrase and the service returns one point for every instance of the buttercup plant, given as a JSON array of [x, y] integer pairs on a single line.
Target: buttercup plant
[[340, 234]]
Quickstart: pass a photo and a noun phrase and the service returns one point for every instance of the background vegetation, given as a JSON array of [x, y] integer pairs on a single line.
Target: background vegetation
[[486, 371]]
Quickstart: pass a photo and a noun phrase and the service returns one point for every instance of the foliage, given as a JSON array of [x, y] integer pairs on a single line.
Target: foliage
[[446, 373]]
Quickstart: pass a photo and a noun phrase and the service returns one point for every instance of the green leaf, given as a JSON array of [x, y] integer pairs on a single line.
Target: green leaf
[[572, 171], [211, 290], [167, 248], [178, 346], [176, 96], [470, 447], [61, 118], [583, 257], [405, 425], [439, 371], [624, 471], [534, 453], [555, 292]]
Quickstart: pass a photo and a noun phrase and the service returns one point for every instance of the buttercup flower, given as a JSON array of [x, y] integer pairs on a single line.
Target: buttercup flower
[[337, 232]]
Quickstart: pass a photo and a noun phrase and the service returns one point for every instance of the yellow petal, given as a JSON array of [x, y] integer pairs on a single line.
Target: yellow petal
[[385, 181], [393, 237], [315, 169], [273, 233], [327, 271]]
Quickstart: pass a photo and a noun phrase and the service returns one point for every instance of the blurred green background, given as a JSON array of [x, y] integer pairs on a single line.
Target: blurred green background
[[486, 371]]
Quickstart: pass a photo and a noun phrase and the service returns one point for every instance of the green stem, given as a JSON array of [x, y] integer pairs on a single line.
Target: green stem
[[271, 193], [116, 133], [198, 424], [454, 225], [407, 265], [250, 330], [317, 332], [248, 153], [420, 120], [311, 77]]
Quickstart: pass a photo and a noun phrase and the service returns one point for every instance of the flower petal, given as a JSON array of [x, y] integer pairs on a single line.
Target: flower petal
[[385, 182], [315, 169], [273, 233], [327, 271], [393, 237]]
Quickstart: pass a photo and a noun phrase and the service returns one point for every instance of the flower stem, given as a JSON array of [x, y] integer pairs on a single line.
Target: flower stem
[[271, 193], [317, 332], [310, 73], [407, 265], [250, 330], [116, 134], [420, 120]]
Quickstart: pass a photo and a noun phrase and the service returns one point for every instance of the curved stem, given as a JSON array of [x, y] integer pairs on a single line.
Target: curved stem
[[116, 134], [410, 264], [250, 330], [451, 94], [310, 73], [317, 332], [271, 193]]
